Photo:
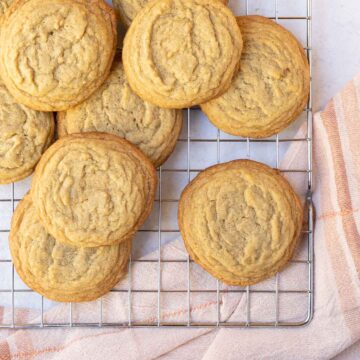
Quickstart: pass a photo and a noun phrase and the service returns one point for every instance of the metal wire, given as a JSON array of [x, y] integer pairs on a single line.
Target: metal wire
[[188, 257], [159, 253], [129, 291], [249, 293]]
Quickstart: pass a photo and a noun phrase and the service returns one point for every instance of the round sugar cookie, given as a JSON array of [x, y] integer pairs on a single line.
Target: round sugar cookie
[[24, 136], [272, 86], [180, 53], [240, 221], [62, 272], [93, 189], [114, 108], [56, 53]]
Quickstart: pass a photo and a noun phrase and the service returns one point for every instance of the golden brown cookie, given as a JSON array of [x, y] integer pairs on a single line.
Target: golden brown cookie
[[24, 136], [128, 9], [93, 189], [240, 221], [179, 53], [56, 53], [272, 87], [62, 272], [114, 108]]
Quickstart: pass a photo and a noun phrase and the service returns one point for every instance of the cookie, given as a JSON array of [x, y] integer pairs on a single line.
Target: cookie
[[272, 87], [61, 272], [128, 9], [180, 53], [114, 108], [93, 189], [24, 136], [56, 53], [240, 221]]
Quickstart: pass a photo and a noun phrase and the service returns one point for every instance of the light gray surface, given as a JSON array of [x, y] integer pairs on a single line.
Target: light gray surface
[[336, 44]]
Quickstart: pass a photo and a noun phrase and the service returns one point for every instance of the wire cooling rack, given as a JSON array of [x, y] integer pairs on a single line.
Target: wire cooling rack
[[200, 146]]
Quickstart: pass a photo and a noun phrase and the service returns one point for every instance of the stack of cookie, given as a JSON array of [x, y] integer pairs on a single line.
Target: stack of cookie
[[118, 118], [71, 235]]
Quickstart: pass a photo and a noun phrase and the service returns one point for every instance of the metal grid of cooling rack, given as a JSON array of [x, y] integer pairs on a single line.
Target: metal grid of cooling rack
[[249, 293]]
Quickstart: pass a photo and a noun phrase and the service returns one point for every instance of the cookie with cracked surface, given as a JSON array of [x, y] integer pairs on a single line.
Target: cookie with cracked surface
[[128, 9], [93, 189], [68, 52], [114, 108], [24, 136], [240, 221], [62, 272], [272, 86], [180, 53]]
